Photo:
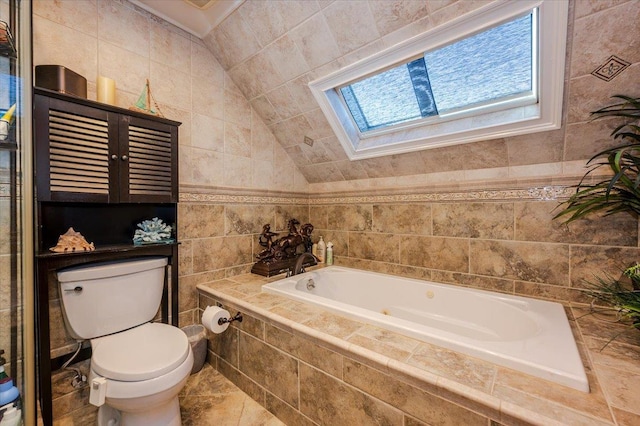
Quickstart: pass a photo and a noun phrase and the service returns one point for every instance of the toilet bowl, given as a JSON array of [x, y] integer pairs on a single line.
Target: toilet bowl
[[145, 368], [137, 367]]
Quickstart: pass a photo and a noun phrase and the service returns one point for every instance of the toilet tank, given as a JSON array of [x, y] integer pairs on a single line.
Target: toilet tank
[[106, 298]]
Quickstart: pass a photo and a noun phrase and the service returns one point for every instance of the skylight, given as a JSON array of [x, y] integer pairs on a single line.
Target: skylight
[[394, 96], [480, 69], [492, 65], [495, 72]]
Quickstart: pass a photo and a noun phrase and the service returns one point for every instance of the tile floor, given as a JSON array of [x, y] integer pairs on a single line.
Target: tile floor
[[210, 399], [207, 399]]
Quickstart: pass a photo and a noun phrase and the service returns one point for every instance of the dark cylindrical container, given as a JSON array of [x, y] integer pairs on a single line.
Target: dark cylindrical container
[[61, 79]]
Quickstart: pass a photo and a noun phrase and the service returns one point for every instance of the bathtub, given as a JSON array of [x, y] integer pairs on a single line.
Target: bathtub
[[528, 335]]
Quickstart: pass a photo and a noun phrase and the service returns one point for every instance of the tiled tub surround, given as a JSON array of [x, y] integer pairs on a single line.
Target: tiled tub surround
[[219, 236], [511, 331], [502, 239], [497, 235], [500, 244], [310, 366]]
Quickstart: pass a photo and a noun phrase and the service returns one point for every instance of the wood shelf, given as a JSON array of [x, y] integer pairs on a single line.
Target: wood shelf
[[112, 248], [85, 181]]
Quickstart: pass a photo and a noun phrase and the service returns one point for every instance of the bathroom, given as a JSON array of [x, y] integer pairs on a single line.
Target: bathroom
[[477, 215]]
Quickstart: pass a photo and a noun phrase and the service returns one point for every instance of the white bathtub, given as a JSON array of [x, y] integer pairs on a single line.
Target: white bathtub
[[528, 335]]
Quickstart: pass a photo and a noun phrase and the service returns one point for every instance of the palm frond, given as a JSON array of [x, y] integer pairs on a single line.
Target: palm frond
[[619, 191], [614, 293]]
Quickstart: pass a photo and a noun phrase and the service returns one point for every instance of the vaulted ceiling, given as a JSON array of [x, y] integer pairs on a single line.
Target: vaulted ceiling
[[273, 49]]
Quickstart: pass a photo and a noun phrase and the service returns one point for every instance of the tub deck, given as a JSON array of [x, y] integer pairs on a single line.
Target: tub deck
[[482, 388], [525, 334]]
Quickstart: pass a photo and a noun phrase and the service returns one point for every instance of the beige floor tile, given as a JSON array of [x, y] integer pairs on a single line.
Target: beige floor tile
[[211, 399]]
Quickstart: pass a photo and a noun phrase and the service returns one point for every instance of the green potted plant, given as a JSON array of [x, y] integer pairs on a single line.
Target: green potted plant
[[615, 293], [616, 191], [621, 191]]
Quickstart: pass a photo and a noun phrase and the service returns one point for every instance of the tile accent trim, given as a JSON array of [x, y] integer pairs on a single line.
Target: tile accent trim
[[239, 199], [544, 193], [611, 68], [226, 195]]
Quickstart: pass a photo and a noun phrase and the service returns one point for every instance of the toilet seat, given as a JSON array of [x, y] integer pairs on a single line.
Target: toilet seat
[[121, 390], [141, 353]]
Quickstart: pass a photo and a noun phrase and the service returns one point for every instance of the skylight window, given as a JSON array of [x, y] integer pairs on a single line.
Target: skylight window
[[484, 68], [398, 95], [489, 66], [495, 72]]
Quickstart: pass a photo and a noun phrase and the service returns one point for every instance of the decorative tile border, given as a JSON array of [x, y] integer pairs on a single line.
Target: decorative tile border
[[544, 193], [187, 197], [226, 195], [541, 194]]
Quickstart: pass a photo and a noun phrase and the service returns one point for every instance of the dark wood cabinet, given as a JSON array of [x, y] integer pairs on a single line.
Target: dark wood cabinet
[[91, 152], [101, 170]]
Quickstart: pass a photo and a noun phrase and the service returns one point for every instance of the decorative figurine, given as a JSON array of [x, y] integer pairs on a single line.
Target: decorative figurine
[[282, 253], [266, 240], [144, 102], [72, 241]]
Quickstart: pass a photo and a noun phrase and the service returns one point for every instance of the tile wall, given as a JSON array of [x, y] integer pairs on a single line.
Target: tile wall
[[306, 383], [309, 366], [226, 243], [271, 50], [495, 240], [223, 142], [482, 228], [504, 239]]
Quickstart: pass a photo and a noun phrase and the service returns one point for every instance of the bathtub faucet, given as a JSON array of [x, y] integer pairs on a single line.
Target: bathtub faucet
[[299, 267]]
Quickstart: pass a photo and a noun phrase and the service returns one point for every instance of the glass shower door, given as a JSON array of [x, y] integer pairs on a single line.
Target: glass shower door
[[16, 195]]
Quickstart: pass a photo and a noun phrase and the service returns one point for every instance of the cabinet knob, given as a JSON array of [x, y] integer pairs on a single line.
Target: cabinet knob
[[114, 157], [124, 158]]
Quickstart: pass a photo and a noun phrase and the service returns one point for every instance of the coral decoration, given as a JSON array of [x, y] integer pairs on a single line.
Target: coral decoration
[[152, 231]]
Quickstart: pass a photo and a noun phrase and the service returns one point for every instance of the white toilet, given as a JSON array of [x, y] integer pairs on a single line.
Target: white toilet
[[137, 367]]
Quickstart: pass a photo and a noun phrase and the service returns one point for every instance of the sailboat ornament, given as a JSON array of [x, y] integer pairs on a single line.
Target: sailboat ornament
[[144, 102]]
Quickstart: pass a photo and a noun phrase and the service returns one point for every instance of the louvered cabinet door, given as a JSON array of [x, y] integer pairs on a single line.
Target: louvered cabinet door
[[148, 173], [75, 152]]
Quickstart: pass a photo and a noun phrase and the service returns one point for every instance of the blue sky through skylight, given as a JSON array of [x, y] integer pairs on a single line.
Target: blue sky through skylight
[[488, 66], [384, 99]]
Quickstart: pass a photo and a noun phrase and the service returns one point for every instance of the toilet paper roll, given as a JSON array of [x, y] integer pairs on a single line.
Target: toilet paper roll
[[211, 316]]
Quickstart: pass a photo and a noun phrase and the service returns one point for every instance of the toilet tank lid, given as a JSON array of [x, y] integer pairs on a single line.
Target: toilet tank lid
[[110, 269]]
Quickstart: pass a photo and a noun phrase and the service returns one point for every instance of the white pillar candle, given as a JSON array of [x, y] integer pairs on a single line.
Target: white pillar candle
[[106, 90]]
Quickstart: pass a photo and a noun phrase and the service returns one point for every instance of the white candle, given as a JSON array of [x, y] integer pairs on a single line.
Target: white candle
[[106, 90]]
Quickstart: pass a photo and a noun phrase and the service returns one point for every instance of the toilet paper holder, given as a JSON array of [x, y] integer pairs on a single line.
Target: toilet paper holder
[[236, 317]]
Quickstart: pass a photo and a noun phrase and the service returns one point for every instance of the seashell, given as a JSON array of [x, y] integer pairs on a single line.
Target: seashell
[[72, 241]]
